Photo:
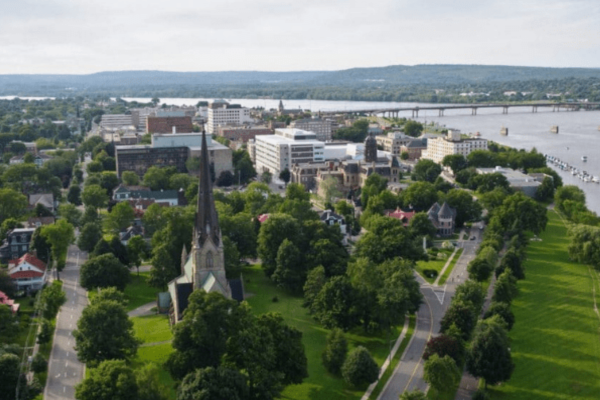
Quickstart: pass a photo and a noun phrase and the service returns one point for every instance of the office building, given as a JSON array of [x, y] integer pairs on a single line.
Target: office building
[[221, 113], [321, 127], [452, 143]]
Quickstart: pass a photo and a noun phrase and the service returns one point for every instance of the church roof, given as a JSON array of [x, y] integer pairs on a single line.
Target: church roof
[[207, 221], [237, 289], [446, 211]]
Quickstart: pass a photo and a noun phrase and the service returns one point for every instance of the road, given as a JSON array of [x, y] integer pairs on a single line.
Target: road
[[408, 374], [64, 370]]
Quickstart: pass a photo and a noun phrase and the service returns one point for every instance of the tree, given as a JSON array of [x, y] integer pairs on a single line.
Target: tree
[[426, 170], [109, 181], [489, 355], [467, 209], [7, 285], [285, 176], [359, 368], [46, 331], [94, 196], [120, 217], [413, 128], [148, 382], [272, 233], [479, 269], [109, 294], [456, 162], [40, 246], [90, 235], [585, 244], [94, 167], [70, 213], [420, 196], [163, 268], [568, 192], [488, 182], [404, 155], [51, 299], [112, 380], [137, 250], [12, 204], [470, 292], [513, 262], [545, 191], [9, 375], [440, 372], [225, 179], [59, 235], [335, 305], [74, 195], [214, 384], [505, 288], [104, 332], [335, 351], [266, 177], [290, 272], [420, 225], [39, 363], [157, 178], [315, 281], [461, 315], [8, 323], [130, 178], [445, 345], [329, 188], [104, 271], [521, 212], [240, 230], [387, 239], [414, 395], [503, 311]]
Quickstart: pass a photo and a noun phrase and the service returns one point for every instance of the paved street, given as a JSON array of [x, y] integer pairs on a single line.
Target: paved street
[[408, 374], [64, 370]]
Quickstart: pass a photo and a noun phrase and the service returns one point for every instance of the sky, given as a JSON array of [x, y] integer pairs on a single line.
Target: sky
[[87, 36]]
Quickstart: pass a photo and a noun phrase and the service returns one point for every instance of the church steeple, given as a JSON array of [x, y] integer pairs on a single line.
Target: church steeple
[[207, 221]]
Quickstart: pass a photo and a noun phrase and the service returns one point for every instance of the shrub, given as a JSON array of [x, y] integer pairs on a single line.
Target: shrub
[[39, 363], [335, 352], [359, 368]]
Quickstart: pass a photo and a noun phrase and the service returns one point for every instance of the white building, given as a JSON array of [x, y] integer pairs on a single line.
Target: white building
[[452, 143], [517, 180], [28, 272], [285, 148], [221, 113]]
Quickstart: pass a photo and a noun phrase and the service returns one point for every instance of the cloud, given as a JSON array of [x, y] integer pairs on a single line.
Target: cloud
[[64, 36]]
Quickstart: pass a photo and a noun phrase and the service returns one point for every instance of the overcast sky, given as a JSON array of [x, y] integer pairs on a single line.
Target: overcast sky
[[85, 36]]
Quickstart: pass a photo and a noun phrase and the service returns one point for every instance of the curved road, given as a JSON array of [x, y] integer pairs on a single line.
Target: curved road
[[408, 374], [64, 370]]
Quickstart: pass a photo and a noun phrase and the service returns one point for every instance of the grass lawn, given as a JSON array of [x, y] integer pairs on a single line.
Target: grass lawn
[[448, 270], [434, 264], [138, 292], [555, 340], [152, 328], [157, 354], [320, 384]]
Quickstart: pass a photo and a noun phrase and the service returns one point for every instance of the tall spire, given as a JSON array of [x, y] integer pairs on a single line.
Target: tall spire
[[207, 221]]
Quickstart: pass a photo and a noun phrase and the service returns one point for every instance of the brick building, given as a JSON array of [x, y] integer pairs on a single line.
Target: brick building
[[242, 133], [166, 124]]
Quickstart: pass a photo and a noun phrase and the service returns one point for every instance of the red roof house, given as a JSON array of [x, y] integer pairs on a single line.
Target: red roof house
[[28, 272], [14, 307], [404, 216]]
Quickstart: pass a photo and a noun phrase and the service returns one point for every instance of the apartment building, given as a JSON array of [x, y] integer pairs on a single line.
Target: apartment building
[[221, 113], [321, 127], [288, 146], [452, 143], [393, 142]]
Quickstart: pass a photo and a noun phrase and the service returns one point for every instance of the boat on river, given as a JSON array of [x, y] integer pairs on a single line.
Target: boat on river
[[554, 129], [584, 158], [504, 131]]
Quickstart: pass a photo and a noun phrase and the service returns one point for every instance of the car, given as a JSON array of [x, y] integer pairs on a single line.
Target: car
[[472, 238]]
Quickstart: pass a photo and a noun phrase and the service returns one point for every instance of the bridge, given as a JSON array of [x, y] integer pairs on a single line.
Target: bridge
[[393, 112]]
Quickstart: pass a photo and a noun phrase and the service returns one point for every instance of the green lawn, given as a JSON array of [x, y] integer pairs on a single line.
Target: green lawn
[[434, 264], [157, 354], [450, 267], [152, 328], [555, 341], [138, 292], [320, 384]]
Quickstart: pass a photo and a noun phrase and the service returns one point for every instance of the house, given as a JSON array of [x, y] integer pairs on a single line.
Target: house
[[263, 217], [16, 243], [28, 272], [36, 222], [330, 218], [134, 230], [38, 159], [403, 216], [443, 218], [14, 307], [518, 181], [172, 197], [45, 199], [204, 267]]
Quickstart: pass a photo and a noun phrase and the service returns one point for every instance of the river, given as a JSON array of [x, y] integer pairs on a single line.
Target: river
[[578, 130]]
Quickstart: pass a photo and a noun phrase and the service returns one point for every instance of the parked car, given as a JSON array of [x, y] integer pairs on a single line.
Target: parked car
[[472, 238]]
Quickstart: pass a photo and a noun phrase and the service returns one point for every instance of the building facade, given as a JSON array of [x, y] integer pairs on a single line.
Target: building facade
[[321, 127], [242, 133], [275, 153], [452, 144], [414, 148], [443, 218], [221, 113], [393, 142], [28, 272], [517, 180], [16, 244]]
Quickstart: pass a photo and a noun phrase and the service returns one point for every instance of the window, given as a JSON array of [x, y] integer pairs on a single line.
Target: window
[[209, 260]]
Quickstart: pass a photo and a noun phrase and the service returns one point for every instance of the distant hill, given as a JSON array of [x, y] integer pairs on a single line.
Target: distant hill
[[355, 83]]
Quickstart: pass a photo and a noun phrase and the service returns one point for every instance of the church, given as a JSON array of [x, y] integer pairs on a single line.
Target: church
[[204, 267]]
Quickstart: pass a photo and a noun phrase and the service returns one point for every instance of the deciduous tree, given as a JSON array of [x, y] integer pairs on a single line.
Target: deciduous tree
[[360, 369], [104, 271]]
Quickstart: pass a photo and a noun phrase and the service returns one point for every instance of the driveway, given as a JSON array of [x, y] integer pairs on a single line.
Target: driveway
[[64, 370]]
